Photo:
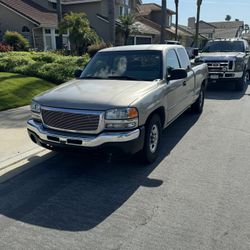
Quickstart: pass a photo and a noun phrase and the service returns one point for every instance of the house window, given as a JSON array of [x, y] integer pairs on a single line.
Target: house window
[[25, 29], [124, 8], [133, 40], [54, 6], [51, 39], [47, 31]]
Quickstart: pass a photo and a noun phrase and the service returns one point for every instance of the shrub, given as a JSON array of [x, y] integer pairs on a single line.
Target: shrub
[[46, 65], [5, 47], [93, 49], [16, 40]]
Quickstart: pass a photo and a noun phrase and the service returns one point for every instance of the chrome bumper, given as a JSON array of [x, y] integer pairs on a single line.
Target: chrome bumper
[[91, 141], [225, 75]]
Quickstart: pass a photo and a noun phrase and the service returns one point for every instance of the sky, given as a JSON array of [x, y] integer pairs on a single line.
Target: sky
[[211, 10]]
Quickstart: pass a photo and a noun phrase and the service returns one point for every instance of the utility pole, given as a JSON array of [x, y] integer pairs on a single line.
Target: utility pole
[[163, 20], [59, 19], [111, 14], [199, 2]]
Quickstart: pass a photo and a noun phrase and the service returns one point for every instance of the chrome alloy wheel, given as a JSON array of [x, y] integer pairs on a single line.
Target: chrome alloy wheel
[[154, 138]]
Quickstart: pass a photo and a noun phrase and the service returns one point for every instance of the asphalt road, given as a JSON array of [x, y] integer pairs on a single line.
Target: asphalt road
[[196, 196]]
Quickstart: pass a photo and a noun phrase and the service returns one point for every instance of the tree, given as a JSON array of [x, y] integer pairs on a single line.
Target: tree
[[228, 18], [199, 2], [126, 26], [163, 20], [17, 41], [176, 18], [80, 33], [111, 14]]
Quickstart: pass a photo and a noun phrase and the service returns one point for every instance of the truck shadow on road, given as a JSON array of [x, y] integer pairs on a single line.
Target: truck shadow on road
[[224, 91], [78, 192]]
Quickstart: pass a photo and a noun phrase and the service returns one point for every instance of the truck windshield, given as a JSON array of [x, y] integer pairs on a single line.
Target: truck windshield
[[125, 65], [224, 46]]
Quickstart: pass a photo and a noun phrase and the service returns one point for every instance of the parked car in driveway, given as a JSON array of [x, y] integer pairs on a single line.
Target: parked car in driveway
[[123, 99], [228, 60]]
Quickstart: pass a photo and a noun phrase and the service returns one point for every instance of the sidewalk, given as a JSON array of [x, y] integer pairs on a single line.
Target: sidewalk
[[15, 144]]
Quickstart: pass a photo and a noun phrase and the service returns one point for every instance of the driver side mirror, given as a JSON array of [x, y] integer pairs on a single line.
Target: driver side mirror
[[177, 74], [78, 73]]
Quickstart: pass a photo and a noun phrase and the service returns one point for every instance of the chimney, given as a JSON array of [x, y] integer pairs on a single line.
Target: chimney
[[191, 22]]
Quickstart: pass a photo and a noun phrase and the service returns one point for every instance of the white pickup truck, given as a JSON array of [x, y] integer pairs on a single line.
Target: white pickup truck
[[123, 99]]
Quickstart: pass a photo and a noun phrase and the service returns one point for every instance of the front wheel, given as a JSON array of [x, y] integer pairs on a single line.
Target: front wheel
[[197, 107], [241, 84], [152, 139]]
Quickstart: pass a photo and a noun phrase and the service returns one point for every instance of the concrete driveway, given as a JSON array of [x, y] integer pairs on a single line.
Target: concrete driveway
[[196, 196], [14, 138]]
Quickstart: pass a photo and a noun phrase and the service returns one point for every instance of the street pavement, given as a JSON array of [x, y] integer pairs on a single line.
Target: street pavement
[[14, 138], [196, 196]]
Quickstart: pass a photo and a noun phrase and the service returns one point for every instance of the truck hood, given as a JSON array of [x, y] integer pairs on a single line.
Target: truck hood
[[218, 56], [93, 94]]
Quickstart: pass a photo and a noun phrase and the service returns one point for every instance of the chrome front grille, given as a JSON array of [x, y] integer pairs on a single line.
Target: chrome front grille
[[220, 66], [70, 120]]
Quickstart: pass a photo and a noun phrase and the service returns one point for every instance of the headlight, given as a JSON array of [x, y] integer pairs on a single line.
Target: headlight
[[239, 65], [35, 107], [126, 118], [121, 114]]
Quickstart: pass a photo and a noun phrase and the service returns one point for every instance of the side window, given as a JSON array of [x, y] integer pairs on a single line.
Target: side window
[[172, 60], [184, 59]]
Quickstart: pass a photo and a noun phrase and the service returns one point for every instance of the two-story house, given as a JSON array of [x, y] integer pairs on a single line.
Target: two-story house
[[213, 30], [37, 19]]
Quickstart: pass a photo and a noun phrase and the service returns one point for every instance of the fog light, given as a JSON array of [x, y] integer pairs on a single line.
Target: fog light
[[120, 125]]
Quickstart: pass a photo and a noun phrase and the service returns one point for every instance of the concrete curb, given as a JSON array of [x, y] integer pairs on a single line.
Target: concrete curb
[[23, 162]]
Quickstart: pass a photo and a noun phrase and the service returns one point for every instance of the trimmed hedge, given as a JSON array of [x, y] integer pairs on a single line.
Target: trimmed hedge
[[46, 65]]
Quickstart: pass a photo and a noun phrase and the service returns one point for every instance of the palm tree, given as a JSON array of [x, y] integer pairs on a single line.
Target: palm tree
[[126, 26], [176, 18], [111, 6], [199, 2], [228, 18], [163, 20]]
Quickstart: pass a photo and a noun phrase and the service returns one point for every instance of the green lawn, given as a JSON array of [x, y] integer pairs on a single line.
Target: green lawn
[[17, 90]]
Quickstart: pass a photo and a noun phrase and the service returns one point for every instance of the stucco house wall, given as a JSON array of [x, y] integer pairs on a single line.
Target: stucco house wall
[[15, 22]]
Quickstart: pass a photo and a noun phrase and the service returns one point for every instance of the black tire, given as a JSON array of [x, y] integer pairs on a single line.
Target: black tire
[[153, 132], [197, 107], [241, 84], [247, 77]]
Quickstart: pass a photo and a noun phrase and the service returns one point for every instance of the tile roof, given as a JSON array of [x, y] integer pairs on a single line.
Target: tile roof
[[32, 11], [78, 1], [225, 33], [227, 24], [146, 9]]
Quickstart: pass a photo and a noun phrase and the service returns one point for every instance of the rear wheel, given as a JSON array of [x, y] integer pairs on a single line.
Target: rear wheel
[[197, 107]]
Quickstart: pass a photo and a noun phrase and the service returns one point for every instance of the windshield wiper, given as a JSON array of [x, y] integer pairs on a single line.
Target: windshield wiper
[[125, 78]]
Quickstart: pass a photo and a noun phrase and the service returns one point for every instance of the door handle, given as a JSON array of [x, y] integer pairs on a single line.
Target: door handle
[[184, 83]]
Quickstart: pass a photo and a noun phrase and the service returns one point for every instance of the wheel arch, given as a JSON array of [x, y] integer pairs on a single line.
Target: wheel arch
[[160, 111]]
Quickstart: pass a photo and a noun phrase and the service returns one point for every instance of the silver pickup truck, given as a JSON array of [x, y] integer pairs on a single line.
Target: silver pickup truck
[[227, 60], [123, 99]]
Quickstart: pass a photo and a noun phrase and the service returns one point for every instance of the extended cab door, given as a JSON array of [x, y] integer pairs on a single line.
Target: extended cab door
[[177, 89], [190, 80]]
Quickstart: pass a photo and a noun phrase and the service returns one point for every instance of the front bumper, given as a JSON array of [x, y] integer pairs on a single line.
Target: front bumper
[[220, 76], [127, 141]]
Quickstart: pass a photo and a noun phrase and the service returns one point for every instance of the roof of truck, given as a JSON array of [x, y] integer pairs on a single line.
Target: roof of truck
[[142, 47]]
